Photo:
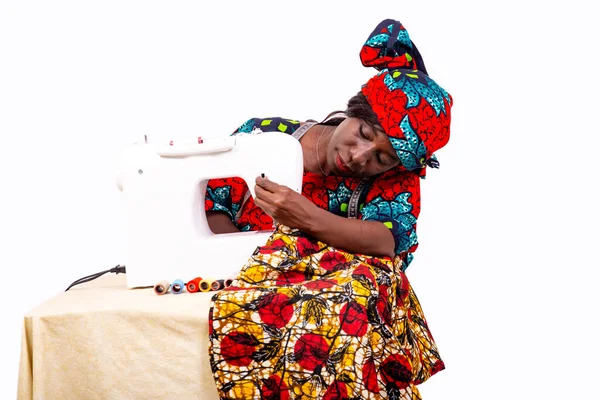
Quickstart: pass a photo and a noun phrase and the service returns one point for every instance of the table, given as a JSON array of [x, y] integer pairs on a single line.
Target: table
[[101, 340]]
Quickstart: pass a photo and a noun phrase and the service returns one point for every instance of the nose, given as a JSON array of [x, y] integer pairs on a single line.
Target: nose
[[361, 154]]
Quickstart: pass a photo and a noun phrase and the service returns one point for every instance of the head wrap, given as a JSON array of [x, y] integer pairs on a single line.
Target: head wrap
[[412, 109]]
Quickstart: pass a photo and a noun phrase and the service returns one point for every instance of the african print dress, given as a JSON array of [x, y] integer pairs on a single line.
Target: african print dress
[[304, 320]]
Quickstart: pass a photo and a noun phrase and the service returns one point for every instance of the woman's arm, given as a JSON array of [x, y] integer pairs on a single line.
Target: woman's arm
[[220, 222], [352, 235], [294, 210]]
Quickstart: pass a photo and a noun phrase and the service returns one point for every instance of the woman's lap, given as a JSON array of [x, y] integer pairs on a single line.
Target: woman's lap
[[305, 320]]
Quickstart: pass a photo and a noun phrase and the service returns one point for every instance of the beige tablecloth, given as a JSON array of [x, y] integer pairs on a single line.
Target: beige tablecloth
[[101, 340]]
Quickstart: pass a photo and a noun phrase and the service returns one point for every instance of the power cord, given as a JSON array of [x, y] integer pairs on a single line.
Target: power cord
[[119, 269]]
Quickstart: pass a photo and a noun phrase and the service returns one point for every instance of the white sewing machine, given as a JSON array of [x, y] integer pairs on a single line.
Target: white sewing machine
[[164, 188]]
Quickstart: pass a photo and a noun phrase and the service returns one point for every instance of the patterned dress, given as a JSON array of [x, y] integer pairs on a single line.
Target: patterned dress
[[304, 320]]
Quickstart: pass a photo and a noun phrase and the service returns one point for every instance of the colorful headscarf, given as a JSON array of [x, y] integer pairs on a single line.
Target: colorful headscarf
[[411, 108]]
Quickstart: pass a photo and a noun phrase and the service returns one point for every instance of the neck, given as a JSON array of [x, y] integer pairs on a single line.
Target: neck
[[317, 135]]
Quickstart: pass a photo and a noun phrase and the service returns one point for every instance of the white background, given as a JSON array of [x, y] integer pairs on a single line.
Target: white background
[[506, 271]]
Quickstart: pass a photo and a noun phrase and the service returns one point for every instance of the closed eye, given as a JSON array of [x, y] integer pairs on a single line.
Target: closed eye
[[362, 133]]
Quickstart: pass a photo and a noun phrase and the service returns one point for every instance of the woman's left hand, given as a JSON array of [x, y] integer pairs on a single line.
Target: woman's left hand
[[283, 204]]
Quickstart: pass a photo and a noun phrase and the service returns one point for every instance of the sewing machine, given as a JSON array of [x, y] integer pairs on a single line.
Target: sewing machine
[[164, 188]]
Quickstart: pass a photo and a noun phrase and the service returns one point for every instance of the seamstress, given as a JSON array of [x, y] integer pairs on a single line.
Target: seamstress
[[326, 309]]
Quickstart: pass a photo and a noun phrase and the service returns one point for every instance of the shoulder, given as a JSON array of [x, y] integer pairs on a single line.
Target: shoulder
[[272, 124]]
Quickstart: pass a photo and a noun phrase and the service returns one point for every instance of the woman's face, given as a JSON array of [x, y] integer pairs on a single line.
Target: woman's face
[[357, 149]]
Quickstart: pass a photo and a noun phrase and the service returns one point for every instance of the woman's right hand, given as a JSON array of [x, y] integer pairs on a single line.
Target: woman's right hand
[[283, 204]]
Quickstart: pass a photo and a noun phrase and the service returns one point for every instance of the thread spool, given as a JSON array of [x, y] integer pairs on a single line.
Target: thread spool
[[228, 282], [162, 287], [217, 284], [205, 285], [194, 285], [177, 286]]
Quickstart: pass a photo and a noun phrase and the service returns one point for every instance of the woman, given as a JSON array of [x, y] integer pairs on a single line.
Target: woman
[[324, 309]]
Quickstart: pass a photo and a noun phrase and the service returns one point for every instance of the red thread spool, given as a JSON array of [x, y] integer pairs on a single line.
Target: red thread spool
[[193, 285]]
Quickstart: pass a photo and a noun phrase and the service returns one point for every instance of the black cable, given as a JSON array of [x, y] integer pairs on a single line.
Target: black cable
[[88, 278], [119, 269]]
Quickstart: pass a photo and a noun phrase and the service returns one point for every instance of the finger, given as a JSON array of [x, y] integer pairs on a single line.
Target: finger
[[267, 184], [263, 195], [264, 206]]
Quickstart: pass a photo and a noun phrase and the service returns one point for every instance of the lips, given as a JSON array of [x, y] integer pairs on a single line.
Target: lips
[[340, 164]]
